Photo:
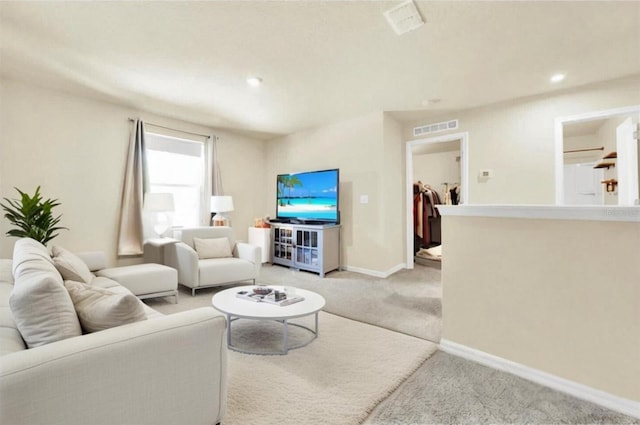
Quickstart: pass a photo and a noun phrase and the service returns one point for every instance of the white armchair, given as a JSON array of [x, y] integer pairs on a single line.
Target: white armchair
[[197, 273]]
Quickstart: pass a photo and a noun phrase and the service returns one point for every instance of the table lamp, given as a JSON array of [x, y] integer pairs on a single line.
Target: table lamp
[[220, 204], [160, 204]]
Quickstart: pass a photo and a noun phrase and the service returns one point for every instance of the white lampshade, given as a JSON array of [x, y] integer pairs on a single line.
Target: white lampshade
[[221, 204], [158, 202]]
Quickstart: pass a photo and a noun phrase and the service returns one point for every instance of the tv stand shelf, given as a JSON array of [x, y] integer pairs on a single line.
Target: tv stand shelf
[[314, 248]]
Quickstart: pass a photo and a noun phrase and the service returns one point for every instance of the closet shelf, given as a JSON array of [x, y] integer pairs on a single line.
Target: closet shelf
[[604, 164]]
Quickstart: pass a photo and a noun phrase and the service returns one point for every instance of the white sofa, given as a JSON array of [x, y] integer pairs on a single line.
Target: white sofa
[[162, 370], [196, 273]]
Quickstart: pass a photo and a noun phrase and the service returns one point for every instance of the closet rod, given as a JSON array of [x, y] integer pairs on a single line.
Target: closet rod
[[601, 148], [173, 129]]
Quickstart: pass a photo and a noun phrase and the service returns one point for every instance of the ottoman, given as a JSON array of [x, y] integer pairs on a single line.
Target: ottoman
[[145, 280]]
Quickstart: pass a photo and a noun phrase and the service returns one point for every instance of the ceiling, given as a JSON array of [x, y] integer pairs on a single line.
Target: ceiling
[[320, 61]]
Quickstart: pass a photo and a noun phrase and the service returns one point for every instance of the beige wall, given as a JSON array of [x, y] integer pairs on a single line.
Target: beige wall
[[371, 163], [393, 168], [75, 148], [515, 139], [437, 168], [560, 296]]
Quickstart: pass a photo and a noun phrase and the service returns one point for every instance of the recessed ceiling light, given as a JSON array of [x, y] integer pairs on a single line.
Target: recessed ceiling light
[[431, 102], [254, 81], [556, 78]]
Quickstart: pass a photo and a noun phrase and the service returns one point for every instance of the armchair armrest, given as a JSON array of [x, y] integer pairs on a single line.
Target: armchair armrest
[[251, 253], [183, 258], [248, 252], [122, 375]]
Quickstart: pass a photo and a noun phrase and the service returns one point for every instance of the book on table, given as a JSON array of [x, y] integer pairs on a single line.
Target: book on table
[[269, 298]]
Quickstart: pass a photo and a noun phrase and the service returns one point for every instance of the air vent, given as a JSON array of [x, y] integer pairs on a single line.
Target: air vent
[[404, 17], [435, 128]]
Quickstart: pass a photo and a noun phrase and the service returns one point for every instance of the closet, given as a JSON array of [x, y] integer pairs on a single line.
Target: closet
[[436, 181], [426, 217]]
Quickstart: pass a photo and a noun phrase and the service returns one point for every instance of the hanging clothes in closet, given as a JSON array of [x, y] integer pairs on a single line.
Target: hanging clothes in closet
[[426, 218]]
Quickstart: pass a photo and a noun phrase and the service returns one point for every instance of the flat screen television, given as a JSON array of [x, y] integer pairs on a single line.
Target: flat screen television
[[310, 197]]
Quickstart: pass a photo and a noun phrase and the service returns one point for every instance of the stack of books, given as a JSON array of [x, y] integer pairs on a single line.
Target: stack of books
[[269, 298]]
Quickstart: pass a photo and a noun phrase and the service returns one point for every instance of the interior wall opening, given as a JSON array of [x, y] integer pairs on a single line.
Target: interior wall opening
[[597, 158], [436, 174]]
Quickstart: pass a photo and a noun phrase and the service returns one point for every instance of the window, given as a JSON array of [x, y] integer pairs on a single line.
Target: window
[[177, 166]]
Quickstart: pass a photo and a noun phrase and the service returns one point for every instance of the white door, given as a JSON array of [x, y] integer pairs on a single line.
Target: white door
[[627, 163], [582, 184]]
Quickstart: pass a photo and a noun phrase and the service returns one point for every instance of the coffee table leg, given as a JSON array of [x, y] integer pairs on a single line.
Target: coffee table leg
[[229, 330], [285, 331]]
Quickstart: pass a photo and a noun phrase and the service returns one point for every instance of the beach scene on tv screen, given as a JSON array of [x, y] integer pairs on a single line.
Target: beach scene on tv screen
[[308, 195]]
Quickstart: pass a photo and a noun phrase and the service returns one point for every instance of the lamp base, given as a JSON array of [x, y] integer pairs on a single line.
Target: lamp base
[[219, 220], [162, 224]]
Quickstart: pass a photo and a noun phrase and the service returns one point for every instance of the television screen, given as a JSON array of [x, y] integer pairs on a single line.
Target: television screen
[[310, 196]]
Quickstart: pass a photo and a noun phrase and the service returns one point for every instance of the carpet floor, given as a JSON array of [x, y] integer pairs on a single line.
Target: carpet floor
[[409, 301], [444, 389], [448, 389], [337, 379]]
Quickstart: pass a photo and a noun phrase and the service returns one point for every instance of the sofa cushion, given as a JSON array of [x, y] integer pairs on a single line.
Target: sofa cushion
[[29, 256], [100, 308], [70, 266], [113, 286], [10, 339], [187, 234], [212, 248], [42, 308], [6, 273], [143, 279], [215, 271]]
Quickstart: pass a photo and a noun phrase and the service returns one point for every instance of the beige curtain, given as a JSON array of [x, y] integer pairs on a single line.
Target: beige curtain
[[130, 235], [216, 178], [213, 178]]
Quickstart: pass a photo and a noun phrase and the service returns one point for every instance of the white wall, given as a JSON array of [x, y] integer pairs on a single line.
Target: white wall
[[370, 162], [437, 168], [75, 148], [515, 139], [608, 138]]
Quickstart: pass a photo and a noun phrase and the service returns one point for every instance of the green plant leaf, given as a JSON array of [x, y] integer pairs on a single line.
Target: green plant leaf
[[32, 216]]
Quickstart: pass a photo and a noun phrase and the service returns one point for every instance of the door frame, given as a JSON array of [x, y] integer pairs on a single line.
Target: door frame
[[559, 139], [464, 180]]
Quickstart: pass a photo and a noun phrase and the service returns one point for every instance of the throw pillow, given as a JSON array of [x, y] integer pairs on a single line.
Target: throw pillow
[[70, 266], [100, 308], [42, 309], [212, 248]]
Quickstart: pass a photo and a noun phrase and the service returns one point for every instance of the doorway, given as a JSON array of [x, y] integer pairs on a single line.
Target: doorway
[[605, 141], [448, 156]]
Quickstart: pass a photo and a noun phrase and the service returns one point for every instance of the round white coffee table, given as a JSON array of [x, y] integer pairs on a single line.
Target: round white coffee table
[[236, 308]]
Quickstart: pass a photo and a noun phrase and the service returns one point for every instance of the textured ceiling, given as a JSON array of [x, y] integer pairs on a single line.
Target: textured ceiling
[[321, 62]]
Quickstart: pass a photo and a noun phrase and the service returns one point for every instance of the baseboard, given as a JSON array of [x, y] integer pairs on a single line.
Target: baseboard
[[610, 401], [375, 273]]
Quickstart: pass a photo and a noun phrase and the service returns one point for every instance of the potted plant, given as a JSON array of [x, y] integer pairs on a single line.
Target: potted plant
[[32, 216]]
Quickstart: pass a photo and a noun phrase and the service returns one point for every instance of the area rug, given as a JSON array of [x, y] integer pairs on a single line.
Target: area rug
[[408, 301], [337, 379]]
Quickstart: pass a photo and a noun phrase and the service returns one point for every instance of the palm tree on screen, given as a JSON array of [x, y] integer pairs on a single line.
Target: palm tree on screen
[[292, 182]]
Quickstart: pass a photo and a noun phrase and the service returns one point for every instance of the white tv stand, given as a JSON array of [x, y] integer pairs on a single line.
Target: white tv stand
[[314, 248]]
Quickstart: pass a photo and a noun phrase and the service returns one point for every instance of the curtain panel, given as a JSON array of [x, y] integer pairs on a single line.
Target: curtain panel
[[136, 182], [213, 178]]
